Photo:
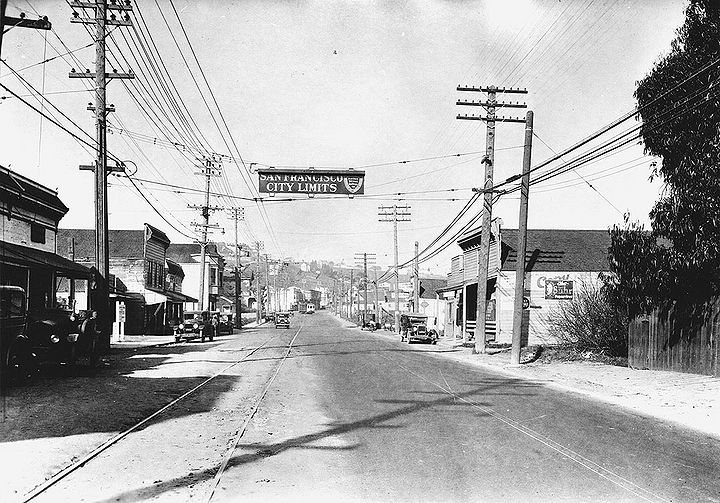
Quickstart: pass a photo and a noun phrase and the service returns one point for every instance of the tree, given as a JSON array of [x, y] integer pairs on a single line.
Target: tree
[[675, 263]]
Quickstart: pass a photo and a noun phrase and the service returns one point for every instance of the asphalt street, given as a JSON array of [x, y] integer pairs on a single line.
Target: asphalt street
[[347, 415], [359, 416]]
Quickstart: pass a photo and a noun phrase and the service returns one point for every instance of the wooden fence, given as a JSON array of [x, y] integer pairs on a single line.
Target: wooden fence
[[656, 343]]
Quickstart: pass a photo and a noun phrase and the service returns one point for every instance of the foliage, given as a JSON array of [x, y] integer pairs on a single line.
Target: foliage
[[590, 322], [675, 263]]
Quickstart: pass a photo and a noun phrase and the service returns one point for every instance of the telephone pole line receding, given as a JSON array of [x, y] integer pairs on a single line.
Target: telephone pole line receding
[[100, 167], [210, 169], [363, 259], [395, 214], [237, 214], [490, 105]]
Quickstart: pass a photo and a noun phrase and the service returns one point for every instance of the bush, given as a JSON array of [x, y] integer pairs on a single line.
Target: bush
[[589, 322]]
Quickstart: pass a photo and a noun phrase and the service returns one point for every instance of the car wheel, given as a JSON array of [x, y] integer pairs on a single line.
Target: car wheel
[[22, 364]]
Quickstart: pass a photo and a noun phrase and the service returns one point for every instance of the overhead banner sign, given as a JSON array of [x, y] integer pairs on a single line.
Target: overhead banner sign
[[311, 181]]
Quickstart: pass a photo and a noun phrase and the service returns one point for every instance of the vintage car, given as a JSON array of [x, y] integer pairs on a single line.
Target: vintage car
[[224, 324], [282, 320], [413, 327], [17, 360], [195, 324], [62, 336], [310, 309]]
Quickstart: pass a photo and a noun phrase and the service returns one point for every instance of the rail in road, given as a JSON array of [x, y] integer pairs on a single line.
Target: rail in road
[[509, 428], [105, 446]]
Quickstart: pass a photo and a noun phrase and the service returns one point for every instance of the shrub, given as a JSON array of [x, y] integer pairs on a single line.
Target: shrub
[[589, 322]]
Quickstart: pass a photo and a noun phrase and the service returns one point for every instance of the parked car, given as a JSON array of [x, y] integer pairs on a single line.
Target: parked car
[[282, 320], [310, 309], [413, 327], [195, 324], [64, 337], [225, 324], [17, 360]]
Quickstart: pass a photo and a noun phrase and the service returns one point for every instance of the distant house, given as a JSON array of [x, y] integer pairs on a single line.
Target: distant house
[[558, 261], [187, 255], [145, 285]]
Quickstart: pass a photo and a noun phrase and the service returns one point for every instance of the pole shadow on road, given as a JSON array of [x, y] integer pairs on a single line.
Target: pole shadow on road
[[263, 450]]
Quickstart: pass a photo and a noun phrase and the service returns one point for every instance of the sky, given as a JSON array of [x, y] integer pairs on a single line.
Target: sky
[[337, 84]]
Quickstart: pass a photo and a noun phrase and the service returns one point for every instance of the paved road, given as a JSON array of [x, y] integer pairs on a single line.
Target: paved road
[[356, 416]]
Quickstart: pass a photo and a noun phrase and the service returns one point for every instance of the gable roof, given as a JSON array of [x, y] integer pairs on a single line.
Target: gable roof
[[123, 243], [561, 250]]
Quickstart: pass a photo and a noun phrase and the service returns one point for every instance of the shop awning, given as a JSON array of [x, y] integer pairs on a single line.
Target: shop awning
[[173, 296], [14, 254], [179, 297]]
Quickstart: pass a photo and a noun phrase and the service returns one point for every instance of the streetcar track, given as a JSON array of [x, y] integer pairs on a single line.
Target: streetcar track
[[564, 451], [241, 431], [57, 477]]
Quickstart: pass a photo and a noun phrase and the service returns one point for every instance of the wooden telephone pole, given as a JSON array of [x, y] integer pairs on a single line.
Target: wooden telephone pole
[[522, 243], [101, 77], [490, 105], [9, 22], [210, 169], [258, 293], [238, 214], [362, 260], [395, 214]]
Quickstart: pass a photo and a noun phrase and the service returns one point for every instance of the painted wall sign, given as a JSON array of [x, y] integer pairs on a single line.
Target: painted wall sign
[[558, 289], [311, 181]]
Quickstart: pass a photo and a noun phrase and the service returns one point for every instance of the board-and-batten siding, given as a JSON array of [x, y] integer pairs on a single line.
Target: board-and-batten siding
[[155, 251], [470, 259], [455, 278]]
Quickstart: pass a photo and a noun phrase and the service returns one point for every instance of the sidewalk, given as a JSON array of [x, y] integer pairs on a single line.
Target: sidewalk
[[689, 400], [141, 341]]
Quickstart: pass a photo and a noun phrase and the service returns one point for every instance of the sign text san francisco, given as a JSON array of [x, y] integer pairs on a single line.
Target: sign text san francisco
[[340, 182]]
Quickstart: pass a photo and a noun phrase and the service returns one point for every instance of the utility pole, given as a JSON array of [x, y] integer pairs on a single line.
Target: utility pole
[[267, 285], [258, 293], [352, 302], [416, 279], [9, 22], [395, 214], [210, 169], [342, 294], [362, 260], [522, 242], [490, 105], [100, 167], [238, 214], [377, 300]]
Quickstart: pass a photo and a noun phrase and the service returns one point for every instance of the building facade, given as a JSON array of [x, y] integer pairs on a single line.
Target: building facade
[[558, 262], [29, 218], [188, 255], [150, 299]]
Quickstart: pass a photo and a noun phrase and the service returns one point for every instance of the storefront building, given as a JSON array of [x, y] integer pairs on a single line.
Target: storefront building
[[557, 262]]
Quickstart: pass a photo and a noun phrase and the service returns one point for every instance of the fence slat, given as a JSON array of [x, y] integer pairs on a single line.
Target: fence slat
[[649, 345]]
